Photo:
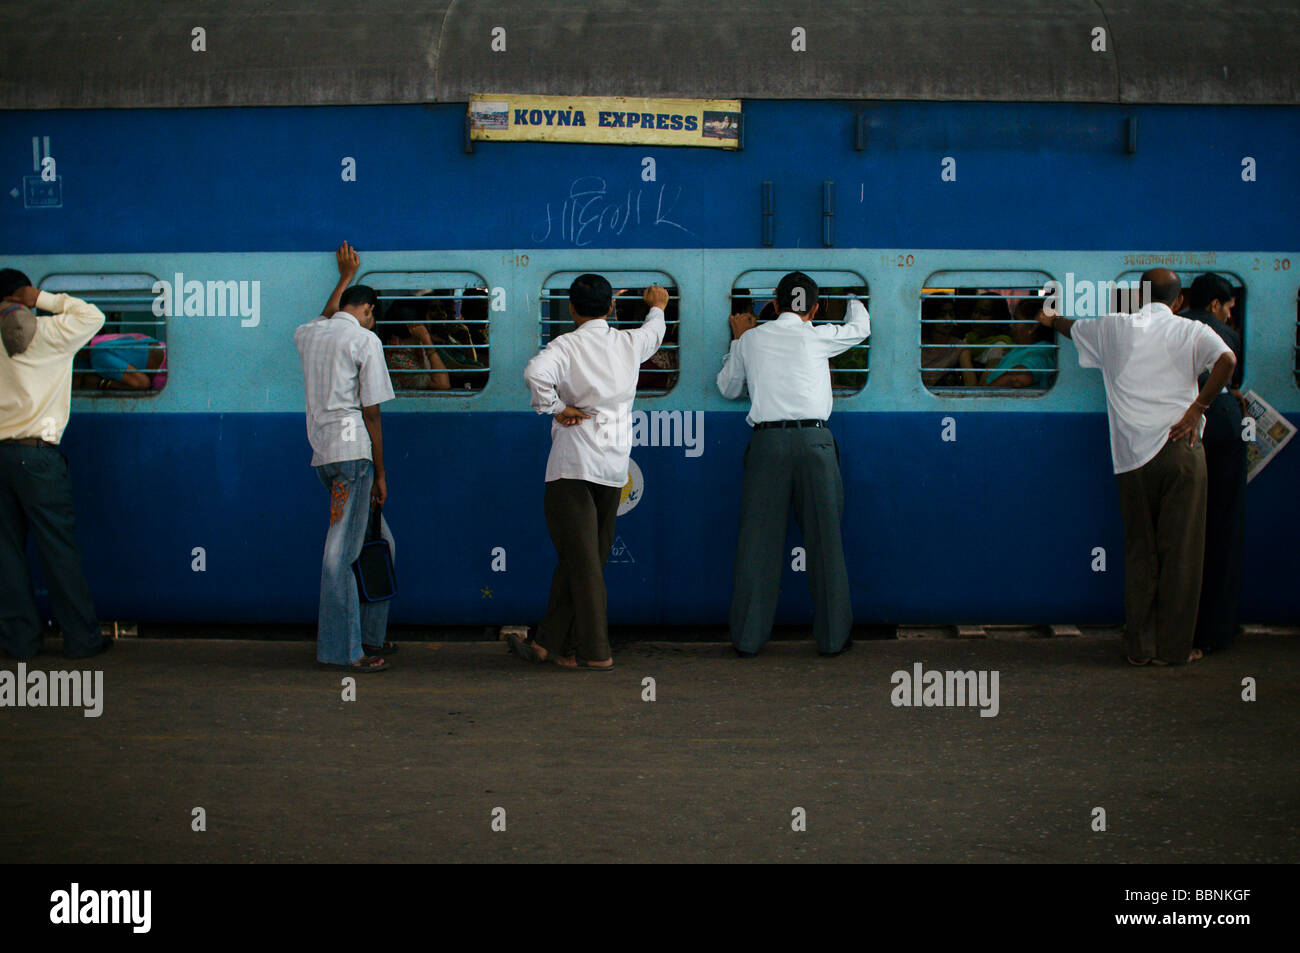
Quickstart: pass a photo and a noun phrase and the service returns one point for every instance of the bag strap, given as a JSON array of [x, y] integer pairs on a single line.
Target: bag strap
[[374, 530]]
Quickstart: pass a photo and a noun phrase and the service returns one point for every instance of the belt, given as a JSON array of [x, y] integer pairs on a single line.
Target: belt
[[789, 423], [28, 442]]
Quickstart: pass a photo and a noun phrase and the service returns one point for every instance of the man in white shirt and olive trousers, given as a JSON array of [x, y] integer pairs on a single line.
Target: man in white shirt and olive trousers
[[586, 380], [35, 493], [792, 459], [1149, 362]]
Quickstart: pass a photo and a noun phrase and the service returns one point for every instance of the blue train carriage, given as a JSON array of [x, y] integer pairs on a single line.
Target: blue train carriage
[[941, 164]]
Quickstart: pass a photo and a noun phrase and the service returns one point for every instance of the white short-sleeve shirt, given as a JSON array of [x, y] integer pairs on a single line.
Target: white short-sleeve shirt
[[1149, 362], [344, 370]]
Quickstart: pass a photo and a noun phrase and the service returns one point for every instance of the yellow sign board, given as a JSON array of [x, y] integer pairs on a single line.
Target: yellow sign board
[[612, 119]]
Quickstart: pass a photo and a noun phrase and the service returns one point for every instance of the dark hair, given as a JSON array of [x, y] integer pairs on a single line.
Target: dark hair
[[1206, 288], [785, 292], [1028, 309], [11, 279], [932, 305], [591, 296], [474, 304], [997, 303], [402, 312], [359, 294]]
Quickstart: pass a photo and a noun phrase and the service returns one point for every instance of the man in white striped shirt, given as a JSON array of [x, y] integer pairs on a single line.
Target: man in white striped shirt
[[346, 380]]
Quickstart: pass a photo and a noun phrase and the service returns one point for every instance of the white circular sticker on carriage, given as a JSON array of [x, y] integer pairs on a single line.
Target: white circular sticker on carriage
[[632, 489]]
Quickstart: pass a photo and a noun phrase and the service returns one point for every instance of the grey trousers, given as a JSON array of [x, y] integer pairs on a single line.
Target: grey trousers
[[785, 467], [580, 517], [1163, 504]]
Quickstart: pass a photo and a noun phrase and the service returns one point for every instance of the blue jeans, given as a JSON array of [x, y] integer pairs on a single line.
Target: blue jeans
[[345, 622]]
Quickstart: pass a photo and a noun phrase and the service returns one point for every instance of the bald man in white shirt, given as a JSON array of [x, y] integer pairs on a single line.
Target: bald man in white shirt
[[792, 460], [586, 380], [1149, 362]]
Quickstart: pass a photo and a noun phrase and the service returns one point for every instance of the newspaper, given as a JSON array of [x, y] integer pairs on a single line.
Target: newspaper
[[1272, 432]]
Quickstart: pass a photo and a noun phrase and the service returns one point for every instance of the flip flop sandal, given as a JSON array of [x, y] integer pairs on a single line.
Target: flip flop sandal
[[586, 666], [1133, 661], [525, 650], [388, 648], [368, 665]]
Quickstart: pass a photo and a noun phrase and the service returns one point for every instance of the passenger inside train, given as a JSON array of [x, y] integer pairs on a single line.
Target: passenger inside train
[[120, 359], [658, 374], [413, 362], [941, 344], [1028, 364]]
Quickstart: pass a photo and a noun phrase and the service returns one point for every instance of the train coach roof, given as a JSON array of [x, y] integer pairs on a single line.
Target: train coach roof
[[91, 54]]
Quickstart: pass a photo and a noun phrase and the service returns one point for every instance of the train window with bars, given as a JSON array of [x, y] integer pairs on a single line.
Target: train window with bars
[[980, 335], [659, 374], [755, 292], [127, 357], [435, 330], [1236, 317]]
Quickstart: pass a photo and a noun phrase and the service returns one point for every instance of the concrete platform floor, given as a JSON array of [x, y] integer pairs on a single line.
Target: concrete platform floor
[[252, 732]]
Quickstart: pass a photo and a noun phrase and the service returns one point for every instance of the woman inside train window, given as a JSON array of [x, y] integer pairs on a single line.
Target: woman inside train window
[[989, 338], [659, 372], [1029, 363], [848, 369], [129, 361], [939, 342], [474, 315], [453, 342], [409, 351]]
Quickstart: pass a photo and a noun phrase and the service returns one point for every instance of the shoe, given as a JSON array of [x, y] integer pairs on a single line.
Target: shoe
[[524, 649], [741, 653], [846, 647], [105, 643]]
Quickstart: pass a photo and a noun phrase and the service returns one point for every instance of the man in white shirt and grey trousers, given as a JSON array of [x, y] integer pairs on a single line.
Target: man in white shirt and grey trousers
[[792, 458], [1149, 362], [586, 379]]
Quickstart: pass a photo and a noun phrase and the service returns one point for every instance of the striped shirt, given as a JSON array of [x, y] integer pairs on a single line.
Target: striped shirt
[[784, 365], [343, 369]]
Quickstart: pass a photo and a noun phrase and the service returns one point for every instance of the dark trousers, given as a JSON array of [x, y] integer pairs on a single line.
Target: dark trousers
[[785, 467], [1225, 525], [580, 518], [36, 495], [1163, 504]]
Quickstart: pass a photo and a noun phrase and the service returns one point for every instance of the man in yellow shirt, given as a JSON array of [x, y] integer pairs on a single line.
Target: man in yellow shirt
[[35, 494]]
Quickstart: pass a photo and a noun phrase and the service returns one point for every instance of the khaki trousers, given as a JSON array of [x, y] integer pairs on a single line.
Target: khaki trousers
[[580, 517], [1163, 504]]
